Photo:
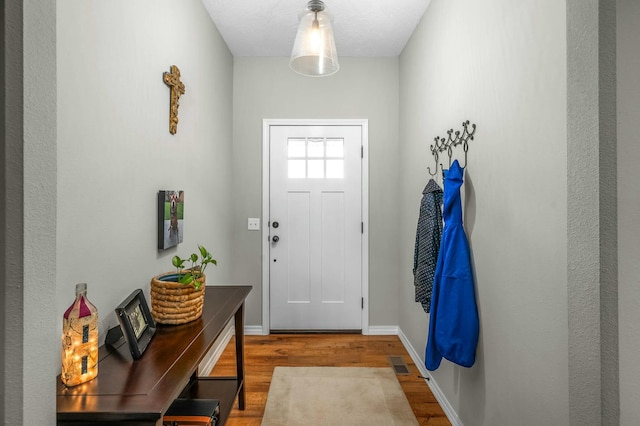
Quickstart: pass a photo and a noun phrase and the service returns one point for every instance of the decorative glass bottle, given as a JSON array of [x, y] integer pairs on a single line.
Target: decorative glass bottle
[[80, 340]]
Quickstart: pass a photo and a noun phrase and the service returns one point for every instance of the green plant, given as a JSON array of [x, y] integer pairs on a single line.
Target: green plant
[[198, 265]]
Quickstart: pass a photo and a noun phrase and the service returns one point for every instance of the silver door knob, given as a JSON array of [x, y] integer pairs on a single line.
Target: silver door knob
[[275, 239]]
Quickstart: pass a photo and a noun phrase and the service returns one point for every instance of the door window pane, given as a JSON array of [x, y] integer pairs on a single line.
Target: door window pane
[[296, 169], [296, 148], [316, 169], [335, 169], [335, 148], [315, 148], [324, 158]]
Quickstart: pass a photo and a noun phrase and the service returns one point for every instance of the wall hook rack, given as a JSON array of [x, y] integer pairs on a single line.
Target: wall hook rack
[[448, 144]]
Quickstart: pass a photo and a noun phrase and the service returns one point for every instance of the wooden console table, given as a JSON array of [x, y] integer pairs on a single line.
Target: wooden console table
[[139, 392]]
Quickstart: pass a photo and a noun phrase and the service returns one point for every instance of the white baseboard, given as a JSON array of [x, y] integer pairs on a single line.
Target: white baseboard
[[383, 330], [431, 382], [209, 361], [253, 330]]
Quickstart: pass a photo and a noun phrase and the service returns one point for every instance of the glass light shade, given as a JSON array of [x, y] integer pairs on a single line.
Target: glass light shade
[[79, 340], [314, 51]]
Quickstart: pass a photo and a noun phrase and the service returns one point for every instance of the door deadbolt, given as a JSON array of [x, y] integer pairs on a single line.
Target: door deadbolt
[[276, 224]]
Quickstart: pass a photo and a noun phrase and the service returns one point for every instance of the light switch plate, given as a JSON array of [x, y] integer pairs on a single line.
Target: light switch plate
[[253, 224]]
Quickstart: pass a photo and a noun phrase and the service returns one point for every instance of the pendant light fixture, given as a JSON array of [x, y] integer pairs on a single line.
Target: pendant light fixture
[[314, 51]]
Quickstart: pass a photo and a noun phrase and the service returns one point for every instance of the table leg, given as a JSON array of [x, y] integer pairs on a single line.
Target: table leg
[[239, 323]]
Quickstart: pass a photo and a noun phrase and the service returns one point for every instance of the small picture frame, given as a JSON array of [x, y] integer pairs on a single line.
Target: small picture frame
[[136, 322], [170, 218]]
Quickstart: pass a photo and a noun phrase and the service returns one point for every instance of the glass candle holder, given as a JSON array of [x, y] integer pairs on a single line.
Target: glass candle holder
[[80, 340]]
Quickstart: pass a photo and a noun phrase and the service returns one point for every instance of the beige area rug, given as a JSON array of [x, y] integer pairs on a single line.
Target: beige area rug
[[350, 396]]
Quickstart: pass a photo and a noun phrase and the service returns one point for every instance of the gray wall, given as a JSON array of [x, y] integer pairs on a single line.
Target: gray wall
[[541, 202], [484, 61], [364, 88], [29, 342], [81, 195], [628, 208], [115, 151], [65, 192], [592, 212]]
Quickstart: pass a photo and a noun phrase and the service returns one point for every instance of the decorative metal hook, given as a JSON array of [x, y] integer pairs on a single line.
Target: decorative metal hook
[[429, 171], [452, 141], [464, 139], [436, 149], [434, 152]]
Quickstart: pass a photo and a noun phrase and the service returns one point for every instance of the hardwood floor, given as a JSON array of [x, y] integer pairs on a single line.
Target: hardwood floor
[[264, 353]]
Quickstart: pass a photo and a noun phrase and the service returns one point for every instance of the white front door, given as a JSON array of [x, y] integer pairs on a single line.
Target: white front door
[[315, 219]]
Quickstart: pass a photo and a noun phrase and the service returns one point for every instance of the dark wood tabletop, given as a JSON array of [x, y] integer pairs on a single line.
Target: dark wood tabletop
[[140, 391]]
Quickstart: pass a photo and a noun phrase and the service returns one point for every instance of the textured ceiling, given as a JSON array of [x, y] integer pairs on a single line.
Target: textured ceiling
[[361, 28]]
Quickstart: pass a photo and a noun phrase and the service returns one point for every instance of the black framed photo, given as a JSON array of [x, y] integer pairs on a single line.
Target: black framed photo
[[136, 322]]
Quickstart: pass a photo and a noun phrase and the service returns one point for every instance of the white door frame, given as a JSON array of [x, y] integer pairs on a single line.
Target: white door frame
[[266, 124]]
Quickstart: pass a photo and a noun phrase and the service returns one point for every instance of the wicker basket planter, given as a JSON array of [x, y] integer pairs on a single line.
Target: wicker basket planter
[[173, 302]]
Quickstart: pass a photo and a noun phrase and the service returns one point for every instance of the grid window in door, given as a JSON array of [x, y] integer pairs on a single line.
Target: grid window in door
[[315, 158]]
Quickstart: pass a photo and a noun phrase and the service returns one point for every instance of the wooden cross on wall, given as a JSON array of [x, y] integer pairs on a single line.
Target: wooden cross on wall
[[172, 79]]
